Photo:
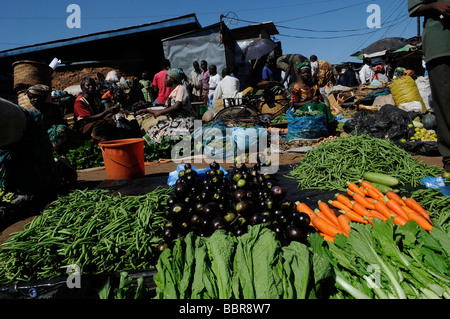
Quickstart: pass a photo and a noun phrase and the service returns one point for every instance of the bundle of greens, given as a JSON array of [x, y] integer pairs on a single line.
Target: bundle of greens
[[333, 164], [251, 266], [280, 119], [86, 156], [387, 262], [301, 113], [97, 231]]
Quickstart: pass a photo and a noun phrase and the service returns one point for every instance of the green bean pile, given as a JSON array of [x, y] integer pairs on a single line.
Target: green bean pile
[[438, 205], [98, 231], [333, 164]]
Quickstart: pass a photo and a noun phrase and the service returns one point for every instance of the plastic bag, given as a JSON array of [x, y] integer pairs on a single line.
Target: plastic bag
[[389, 122], [423, 84], [248, 139], [306, 127], [436, 182], [404, 89]]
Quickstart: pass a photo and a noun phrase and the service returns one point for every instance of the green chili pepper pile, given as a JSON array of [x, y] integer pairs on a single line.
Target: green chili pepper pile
[[98, 231], [333, 164]]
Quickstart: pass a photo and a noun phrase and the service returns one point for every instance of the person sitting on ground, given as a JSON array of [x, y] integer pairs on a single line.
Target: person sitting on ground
[[62, 136], [91, 119], [176, 119], [27, 166], [305, 92]]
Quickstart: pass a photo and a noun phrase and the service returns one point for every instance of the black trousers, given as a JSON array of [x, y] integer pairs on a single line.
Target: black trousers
[[439, 72]]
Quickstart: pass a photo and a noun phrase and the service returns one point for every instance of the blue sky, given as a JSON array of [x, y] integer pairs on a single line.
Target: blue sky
[[331, 29]]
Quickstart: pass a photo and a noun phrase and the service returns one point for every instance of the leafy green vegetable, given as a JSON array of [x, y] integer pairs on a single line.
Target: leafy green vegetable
[[392, 261], [250, 266]]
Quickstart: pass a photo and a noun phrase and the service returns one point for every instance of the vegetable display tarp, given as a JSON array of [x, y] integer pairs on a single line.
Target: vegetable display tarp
[[57, 288]]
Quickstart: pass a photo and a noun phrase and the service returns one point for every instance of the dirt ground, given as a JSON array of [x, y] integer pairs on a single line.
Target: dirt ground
[[97, 177]]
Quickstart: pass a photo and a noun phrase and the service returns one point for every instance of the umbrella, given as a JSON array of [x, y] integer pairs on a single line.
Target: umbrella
[[381, 47], [258, 48]]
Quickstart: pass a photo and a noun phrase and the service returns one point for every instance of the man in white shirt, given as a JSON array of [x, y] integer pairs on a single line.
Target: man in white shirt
[[366, 73], [214, 79], [229, 86]]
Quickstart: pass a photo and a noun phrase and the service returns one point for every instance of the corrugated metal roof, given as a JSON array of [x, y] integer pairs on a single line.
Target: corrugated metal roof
[[183, 20]]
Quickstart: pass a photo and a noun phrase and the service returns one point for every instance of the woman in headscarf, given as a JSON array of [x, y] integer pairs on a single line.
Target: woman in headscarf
[[91, 118], [176, 118], [306, 93], [62, 136]]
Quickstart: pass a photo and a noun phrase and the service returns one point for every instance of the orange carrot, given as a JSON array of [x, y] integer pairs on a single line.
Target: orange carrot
[[420, 220], [344, 200], [398, 220], [377, 214], [337, 204], [411, 203], [354, 216], [363, 190], [409, 210], [322, 215], [326, 237], [344, 222], [303, 208], [329, 213], [363, 201], [325, 227], [383, 209], [394, 196], [367, 184], [354, 188], [360, 209], [396, 208], [372, 193]]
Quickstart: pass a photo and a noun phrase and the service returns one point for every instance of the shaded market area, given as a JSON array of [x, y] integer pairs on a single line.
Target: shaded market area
[[219, 167]]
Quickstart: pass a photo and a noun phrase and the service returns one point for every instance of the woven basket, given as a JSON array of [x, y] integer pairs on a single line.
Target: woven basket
[[23, 99], [28, 73]]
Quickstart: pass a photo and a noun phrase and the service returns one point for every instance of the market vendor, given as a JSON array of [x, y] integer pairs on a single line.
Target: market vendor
[[27, 166], [62, 136], [91, 118], [305, 92], [176, 118]]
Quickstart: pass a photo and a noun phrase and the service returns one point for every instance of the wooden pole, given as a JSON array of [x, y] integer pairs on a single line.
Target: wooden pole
[[418, 26]]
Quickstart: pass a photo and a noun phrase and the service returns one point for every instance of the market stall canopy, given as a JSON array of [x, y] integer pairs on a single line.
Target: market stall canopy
[[258, 48], [381, 47]]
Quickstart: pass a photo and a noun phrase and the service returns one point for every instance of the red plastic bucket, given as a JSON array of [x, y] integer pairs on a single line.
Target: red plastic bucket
[[124, 159]]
